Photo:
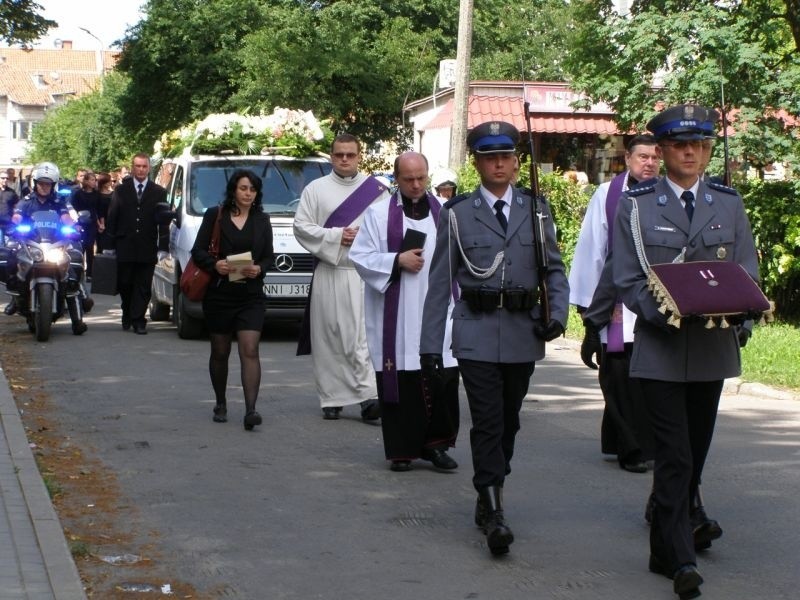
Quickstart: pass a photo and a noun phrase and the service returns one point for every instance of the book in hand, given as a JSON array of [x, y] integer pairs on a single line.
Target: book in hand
[[237, 262], [412, 240]]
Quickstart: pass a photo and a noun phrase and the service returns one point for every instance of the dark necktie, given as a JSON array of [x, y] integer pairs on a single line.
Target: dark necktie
[[140, 189], [498, 211], [688, 199]]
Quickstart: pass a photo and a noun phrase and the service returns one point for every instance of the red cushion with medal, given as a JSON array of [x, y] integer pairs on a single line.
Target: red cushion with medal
[[706, 288]]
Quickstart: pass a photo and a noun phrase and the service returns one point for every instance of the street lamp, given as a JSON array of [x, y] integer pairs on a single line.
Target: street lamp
[[100, 61]]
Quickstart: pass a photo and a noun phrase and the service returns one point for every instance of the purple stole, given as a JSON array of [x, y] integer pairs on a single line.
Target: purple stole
[[391, 298], [615, 335], [347, 212]]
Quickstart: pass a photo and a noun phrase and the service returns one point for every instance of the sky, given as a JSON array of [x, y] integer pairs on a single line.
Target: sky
[[106, 19]]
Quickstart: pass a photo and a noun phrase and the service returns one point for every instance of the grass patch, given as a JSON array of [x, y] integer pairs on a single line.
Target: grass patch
[[79, 549], [772, 356], [53, 487]]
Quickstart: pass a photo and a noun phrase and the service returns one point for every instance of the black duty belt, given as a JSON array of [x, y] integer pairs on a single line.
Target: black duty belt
[[488, 299]]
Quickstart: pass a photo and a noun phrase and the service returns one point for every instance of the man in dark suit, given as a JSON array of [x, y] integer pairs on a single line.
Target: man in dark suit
[[679, 218], [136, 209], [485, 244]]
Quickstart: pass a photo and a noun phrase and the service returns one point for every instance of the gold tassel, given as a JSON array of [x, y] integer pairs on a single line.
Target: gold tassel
[[663, 309], [710, 323], [723, 324]]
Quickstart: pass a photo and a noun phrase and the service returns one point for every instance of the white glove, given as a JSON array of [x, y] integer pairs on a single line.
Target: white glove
[[162, 255]]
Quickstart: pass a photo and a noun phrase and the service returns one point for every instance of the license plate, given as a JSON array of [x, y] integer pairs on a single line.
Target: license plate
[[286, 289]]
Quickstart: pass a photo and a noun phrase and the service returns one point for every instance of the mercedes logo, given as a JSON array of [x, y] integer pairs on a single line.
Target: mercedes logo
[[284, 263]]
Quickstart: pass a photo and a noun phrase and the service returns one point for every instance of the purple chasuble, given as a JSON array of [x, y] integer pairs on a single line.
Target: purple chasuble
[[615, 336], [391, 298]]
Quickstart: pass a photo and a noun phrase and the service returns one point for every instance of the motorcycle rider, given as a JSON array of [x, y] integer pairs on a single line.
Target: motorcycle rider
[[45, 176]]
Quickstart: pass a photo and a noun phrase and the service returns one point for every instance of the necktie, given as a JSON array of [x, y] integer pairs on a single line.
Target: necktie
[[498, 211], [140, 189], [688, 198]]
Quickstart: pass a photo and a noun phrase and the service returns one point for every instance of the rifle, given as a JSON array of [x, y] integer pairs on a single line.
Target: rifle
[[726, 173], [538, 217]]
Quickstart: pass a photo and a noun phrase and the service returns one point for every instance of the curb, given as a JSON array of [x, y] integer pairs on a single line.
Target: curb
[[60, 570]]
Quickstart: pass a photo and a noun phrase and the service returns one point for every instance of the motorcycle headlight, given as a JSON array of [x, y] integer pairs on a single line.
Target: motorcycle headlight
[[36, 254], [55, 255]]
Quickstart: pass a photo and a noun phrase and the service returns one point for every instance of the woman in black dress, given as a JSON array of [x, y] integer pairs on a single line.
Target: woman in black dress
[[236, 308]]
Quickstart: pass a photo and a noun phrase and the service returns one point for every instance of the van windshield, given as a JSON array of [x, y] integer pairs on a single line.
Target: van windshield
[[283, 181]]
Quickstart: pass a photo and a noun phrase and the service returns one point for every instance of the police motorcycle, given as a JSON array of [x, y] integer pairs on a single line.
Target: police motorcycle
[[44, 264]]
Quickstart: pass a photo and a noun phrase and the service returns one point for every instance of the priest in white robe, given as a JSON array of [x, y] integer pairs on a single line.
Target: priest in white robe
[[330, 211], [392, 253]]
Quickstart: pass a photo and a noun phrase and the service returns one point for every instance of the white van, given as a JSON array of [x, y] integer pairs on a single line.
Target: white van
[[196, 183]]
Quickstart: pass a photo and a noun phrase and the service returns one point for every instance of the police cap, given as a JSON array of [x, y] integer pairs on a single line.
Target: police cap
[[682, 122], [493, 137]]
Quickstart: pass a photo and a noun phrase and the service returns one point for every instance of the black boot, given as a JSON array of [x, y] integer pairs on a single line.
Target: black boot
[[704, 530], [498, 534], [11, 307]]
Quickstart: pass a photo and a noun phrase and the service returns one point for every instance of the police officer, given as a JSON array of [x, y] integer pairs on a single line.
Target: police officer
[[44, 197], [485, 243], [681, 369]]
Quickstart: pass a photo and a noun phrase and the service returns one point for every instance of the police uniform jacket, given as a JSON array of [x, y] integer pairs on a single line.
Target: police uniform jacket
[[133, 225], [719, 230], [498, 336]]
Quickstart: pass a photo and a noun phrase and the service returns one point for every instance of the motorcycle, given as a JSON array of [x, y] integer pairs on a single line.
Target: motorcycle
[[49, 269]]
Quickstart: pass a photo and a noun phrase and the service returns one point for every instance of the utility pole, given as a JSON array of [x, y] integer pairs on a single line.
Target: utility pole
[[458, 131]]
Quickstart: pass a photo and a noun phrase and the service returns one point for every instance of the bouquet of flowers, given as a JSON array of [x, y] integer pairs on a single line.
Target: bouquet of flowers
[[285, 131]]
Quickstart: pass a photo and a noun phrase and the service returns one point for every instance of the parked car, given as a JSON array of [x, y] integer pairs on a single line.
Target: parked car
[[196, 183]]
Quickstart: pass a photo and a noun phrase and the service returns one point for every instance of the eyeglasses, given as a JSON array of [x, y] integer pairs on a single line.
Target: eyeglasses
[[343, 155]]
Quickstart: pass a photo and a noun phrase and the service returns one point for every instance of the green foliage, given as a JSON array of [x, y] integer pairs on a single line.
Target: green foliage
[[773, 208], [86, 131], [772, 355], [747, 47], [21, 23]]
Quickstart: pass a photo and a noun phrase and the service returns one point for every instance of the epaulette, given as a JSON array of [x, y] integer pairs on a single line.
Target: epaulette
[[646, 183], [721, 188], [456, 199], [641, 189]]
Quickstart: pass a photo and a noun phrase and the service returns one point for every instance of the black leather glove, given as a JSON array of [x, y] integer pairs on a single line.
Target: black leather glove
[[431, 365], [550, 331], [590, 346], [743, 334]]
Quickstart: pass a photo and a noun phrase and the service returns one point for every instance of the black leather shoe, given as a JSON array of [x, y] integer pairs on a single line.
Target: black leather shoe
[[481, 512], [139, 330], [400, 466], [704, 530], [251, 419], [220, 413], [126, 323], [686, 582], [79, 328], [634, 466], [439, 458], [370, 410], [11, 307], [87, 304], [331, 413], [498, 533]]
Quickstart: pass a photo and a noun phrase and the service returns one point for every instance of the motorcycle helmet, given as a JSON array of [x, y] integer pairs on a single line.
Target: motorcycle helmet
[[46, 172]]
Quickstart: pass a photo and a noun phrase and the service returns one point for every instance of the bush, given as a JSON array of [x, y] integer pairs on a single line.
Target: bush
[[774, 213]]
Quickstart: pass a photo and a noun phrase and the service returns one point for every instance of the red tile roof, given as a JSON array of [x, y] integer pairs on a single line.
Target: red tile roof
[[34, 77], [510, 109]]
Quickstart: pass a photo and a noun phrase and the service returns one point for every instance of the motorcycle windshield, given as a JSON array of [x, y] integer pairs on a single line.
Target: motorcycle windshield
[[47, 224]]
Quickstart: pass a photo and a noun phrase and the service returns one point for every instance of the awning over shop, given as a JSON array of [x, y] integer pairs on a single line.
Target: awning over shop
[[510, 109]]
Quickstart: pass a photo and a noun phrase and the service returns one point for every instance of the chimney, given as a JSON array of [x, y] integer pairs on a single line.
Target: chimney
[[66, 44]]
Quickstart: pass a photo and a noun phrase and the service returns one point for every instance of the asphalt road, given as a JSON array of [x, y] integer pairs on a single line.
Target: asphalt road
[[303, 508]]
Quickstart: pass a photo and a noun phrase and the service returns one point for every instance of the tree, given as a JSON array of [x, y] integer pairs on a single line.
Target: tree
[[182, 60], [21, 23], [87, 131], [676, 51]]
